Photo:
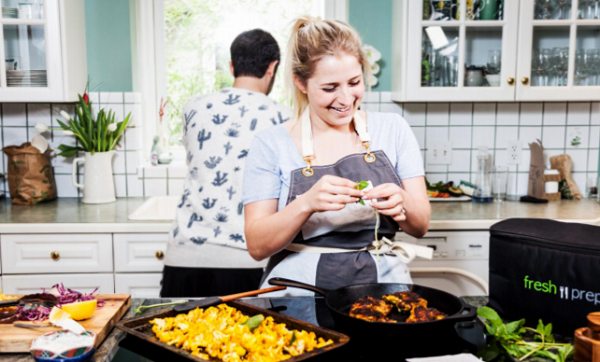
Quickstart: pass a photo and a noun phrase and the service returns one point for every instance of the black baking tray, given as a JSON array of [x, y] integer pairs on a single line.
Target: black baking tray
[[141, 329]]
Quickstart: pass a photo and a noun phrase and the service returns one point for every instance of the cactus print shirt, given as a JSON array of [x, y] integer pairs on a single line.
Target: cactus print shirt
[[218, 130]]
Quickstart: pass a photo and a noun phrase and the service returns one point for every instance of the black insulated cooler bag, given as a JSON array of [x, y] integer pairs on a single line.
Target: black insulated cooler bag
[[545, 269]]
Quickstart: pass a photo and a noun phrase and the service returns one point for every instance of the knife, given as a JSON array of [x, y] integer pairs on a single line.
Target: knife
[[210, 301]]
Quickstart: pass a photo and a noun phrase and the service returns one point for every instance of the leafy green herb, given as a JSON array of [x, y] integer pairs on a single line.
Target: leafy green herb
[[361, 185], [509, 338], [293, 338], [254, 322]]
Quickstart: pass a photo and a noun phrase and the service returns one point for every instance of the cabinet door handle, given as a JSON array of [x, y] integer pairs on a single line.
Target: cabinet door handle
[[160, 255], [525, 80], [55, 255], [510, 81]]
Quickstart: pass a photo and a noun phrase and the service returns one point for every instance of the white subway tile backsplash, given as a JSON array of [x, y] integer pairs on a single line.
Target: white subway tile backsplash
[[64, 186], [484, 114], [155, 187], [390, 108], [136, 112], [175, 186], [94, 97], [511, 188], [505, 134], [458, 177], [130, 97], [437, 114], [578, 137], [595, 117], [419, 135], [593, 161], [111, 97], [580, 180], [371, 97], [483, 136], [132, 161], [528, 135], [13, 114], [135, 186], [435, 134], [117, 110], [522, 183], [594, 137], [460, 136], [371, 107], [120, 185], [526, 160], [155, 172], [555, 114], [414, 113], [437, 177], [461, 114], [39, 113], [578, 114], [132, 141], [549, 154], [531, 114], [177, 170], [461, 161], [57, 108], [580, 159], [435, 168], [14, 136], [385, 97], [508, 114], [119, 162], [501, 158], [62, 165], [553, 137]]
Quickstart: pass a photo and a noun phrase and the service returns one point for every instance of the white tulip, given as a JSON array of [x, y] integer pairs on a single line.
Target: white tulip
[[375, 68], [65, 115], [371, 53], [68, 133], [112, 127], [40, 127], [372, 80]]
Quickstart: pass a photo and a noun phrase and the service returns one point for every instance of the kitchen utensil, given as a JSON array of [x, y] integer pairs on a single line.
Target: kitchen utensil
[[40, 299], [473, 9], [31, 325], [474, 76], [587, 340], [80, 353], [500, 183], [207, 302], [442, 9], [493, 80], [489, 9], [98, 186], [38, 141], [412, 335], [483, 192], [551, 179], [141, 329], [18, 340]]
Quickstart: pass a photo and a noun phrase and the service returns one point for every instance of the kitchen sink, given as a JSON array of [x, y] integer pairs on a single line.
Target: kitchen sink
[[157, 208]]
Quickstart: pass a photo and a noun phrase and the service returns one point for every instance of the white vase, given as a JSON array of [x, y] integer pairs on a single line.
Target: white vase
[[98, 184]]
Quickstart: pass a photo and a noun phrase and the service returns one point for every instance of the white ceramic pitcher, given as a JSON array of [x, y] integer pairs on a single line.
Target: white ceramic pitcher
[[98, 184]]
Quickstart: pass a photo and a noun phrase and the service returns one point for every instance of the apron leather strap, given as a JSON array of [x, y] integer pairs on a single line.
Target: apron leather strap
[[406, 252]]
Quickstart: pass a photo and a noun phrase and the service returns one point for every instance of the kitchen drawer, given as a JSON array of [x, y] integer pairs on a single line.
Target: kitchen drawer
[[73, 253], [139, 252], [139, 285], [85, 283]]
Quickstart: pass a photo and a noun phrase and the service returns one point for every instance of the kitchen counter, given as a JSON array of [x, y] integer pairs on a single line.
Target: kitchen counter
[[109, 350], [70, 215]]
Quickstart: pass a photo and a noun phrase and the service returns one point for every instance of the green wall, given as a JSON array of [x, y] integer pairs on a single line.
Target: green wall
[[108, 38], [373, 21]]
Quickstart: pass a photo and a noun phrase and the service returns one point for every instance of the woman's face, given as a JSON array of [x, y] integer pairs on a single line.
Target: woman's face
[[336, 89]]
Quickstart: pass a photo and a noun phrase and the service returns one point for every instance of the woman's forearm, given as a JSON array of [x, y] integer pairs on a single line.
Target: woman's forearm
[[267, 235], [418, 212]]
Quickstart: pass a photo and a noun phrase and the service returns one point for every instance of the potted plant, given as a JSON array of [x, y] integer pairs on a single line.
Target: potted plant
[[98, 136]]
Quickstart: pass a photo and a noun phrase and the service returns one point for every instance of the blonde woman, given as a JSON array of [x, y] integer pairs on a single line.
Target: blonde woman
[[299, 190]]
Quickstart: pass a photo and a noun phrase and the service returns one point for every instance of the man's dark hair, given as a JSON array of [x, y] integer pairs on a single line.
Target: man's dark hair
[[251, 53]]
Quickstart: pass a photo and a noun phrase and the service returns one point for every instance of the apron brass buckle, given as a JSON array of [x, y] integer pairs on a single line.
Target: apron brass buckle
[[369, 157], [308, 171]]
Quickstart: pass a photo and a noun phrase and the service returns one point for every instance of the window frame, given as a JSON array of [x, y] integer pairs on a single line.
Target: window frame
[[150, 73]]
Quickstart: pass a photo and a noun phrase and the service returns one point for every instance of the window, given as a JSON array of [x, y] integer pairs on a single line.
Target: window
[[198, 34]]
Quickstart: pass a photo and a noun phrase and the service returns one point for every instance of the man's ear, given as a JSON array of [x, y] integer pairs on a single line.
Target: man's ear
[[299, 84], [231, 68], [272, 67]]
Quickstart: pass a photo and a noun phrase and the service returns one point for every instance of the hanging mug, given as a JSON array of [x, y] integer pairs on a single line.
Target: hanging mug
[[489, 9], [471, 9], [442, 9]]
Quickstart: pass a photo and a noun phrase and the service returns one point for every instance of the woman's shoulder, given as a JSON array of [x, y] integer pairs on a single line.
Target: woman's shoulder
[[272, 137]]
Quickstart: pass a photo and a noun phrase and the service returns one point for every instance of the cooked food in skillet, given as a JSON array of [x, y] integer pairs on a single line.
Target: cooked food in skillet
[[372, 310], [424, 314], [224, 333], [378, 310], [405, 301]]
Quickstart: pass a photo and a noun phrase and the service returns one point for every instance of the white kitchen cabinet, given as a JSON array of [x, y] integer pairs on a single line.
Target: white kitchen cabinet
[[43, 51], [139, 252], [541, 75], [56, 253], [85, 283], [139, 285], [431, 57]]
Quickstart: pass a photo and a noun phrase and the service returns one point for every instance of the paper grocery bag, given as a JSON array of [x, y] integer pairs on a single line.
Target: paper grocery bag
[[564, 165], [30, 175], [535, 188]]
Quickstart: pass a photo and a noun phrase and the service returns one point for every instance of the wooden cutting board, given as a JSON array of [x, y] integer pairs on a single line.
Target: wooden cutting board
[[15, 339]]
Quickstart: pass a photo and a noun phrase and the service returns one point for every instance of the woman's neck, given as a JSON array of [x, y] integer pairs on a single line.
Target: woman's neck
[[319, 126]]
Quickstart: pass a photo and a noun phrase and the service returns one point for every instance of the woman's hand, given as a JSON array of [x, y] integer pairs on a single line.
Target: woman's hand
[[392, 205], [330, 193]]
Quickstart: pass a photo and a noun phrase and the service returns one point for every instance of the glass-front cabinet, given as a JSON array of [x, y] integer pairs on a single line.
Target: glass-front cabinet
[[461, 49], [35, 50], [496, 50], [559, 50]]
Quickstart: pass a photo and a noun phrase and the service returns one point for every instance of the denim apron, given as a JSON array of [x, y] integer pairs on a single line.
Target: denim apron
[[335, 248]]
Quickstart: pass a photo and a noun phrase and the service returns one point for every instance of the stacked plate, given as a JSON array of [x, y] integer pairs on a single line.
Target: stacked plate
[[26, 78], [10, 12]]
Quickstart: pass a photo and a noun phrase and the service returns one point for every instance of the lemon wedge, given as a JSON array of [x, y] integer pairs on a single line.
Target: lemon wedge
[[80, 310], [57, 315]]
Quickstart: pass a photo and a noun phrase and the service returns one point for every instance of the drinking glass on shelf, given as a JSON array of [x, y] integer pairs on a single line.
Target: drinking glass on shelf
[[543, 64], [591, 189], [564, 8], [585, 7], [545, 9], [594, 67], [499, 183], [435, 67], [560, 57], [581, 67], [451, 71], [595, 9], [494, 61], [25, 10]]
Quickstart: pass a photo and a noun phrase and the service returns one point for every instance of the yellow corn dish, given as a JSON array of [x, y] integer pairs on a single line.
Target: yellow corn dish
[[4, 297], [217, 332]]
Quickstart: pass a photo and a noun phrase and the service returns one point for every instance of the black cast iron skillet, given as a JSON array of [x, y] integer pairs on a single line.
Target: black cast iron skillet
[[408, 335]]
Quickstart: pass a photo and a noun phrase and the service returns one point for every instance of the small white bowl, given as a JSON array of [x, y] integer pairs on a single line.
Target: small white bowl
[[493, 80]]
